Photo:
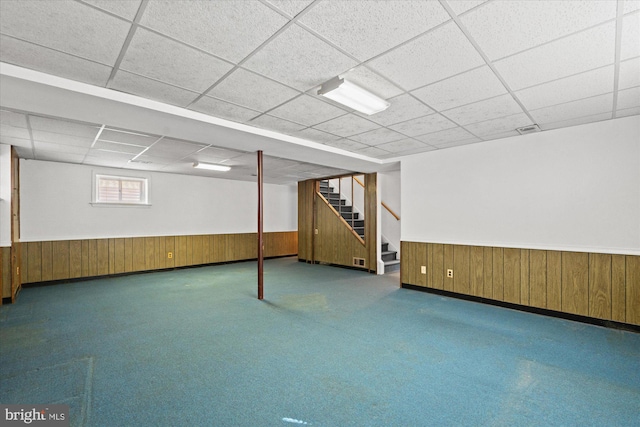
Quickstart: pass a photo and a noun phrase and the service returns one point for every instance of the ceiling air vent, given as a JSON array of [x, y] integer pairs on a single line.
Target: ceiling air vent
[[144, 162], [528, 129]]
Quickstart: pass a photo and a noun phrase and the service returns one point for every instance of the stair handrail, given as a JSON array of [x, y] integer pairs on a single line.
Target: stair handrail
[[384, 205]]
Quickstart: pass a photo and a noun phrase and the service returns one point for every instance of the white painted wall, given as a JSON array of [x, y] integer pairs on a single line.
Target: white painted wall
[[5, 195], [575, 188], [55, 205], [389, 185]]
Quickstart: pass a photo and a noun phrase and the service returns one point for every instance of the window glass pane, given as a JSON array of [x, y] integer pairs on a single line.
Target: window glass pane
[[132, 191], [108, 190], [115, 189]]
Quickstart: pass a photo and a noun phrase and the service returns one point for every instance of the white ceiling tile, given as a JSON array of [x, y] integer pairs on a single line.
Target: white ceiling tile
[[67, 26], [404, 107], [273, 164], [366, 29], [347, 125], [145, 162], [404, 145], [169, 148], [252, 91], [591, 83], [291, 7], [378, 136], [462, 89], [503, 28], [628, 112], [630, 43], [16, 142], [307, 110], [570, 110], [458, 143], [275, 124], [120, 148], [105, 158], [367, 79], [438, 54], [176, 64], [461, 6], [57, 138], [12, 118], [219, 154], [64, 127], [576, 121], [422, 125], [126, 9], [445, 136], [631, 5], [228, 29], [628, 98], [14, 132], [347, 144], [507, 134], [373, 152], [315, 135], [54, 156], [299, 59], [152, 89], [629, 73], [499, 126], [125, 137], [218, 108], [500, 106], [50, 61], [58, 148], [571, 55]]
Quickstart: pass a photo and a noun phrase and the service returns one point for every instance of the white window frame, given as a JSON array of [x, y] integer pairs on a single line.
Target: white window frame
[[95, 192]]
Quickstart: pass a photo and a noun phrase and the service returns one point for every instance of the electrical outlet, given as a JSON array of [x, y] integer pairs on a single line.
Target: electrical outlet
[[423, 269], [169, 255], [450, 273], [316, 231]]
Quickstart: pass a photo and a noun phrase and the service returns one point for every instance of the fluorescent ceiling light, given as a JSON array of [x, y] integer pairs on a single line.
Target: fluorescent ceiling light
[[353, 96], [211, 167]]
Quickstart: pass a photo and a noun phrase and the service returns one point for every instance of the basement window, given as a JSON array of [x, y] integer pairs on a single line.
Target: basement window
[[120, 190]]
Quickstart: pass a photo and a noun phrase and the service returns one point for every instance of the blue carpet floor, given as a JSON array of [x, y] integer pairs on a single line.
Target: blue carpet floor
[[327, 347]]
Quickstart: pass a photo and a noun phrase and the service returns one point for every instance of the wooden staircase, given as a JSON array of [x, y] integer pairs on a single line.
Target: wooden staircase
[[389, 257]]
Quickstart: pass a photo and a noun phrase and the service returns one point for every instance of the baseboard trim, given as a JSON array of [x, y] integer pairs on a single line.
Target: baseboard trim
[[536, 310]]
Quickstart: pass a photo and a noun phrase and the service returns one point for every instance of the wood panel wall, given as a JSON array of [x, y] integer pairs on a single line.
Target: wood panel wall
[[335, 243], [601, 286], [306, 195], [5, 271], [70, 259]]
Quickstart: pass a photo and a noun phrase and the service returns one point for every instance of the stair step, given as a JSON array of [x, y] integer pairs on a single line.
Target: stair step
[[343, 208], [389, 255], [385, 247], [390, 266], [348, 215]]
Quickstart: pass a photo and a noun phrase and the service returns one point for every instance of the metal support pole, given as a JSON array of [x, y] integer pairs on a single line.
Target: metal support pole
[[260, 236]]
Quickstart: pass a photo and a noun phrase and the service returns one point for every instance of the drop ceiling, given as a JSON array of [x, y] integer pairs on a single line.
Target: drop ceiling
[[158, 85]]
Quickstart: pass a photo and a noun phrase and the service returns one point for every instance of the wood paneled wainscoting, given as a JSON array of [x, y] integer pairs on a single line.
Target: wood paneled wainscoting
[[71, 259], [594, 285]]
